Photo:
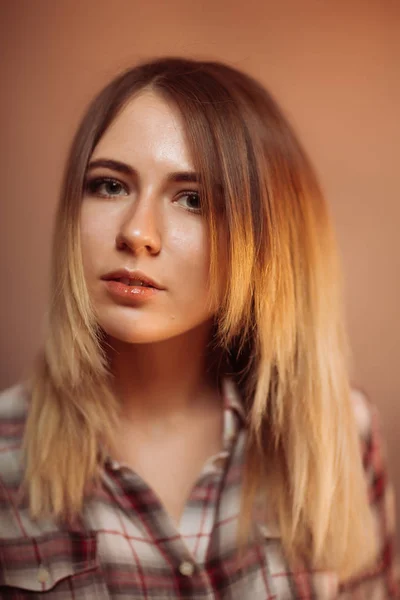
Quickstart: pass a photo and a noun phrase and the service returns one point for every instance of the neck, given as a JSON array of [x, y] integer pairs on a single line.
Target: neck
[[166, 377]]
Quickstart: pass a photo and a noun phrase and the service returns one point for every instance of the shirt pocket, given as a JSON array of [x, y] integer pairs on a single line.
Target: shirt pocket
[[60, 560]]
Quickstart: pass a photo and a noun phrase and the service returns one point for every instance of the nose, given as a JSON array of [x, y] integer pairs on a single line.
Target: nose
[[139, 231]]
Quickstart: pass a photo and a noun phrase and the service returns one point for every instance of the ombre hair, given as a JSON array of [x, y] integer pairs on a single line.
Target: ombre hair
[[280, 321]]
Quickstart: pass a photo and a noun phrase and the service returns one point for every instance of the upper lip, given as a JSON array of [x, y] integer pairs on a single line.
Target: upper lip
[[128, 274]]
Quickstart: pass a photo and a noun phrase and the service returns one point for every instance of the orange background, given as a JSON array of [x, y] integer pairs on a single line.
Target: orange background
[[333, 66]]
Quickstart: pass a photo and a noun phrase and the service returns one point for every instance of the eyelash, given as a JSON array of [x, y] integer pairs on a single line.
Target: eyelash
[[92, 187]]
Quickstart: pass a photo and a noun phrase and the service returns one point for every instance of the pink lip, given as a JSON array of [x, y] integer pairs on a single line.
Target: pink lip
[[130, 295], [132, 274]]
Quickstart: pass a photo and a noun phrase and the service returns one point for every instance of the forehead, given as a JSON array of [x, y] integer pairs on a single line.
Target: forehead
[[148, 127]]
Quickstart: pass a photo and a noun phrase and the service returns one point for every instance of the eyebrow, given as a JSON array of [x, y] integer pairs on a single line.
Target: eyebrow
[[116, 165]]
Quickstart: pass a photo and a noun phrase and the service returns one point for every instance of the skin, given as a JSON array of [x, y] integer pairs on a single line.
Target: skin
[[171, 408]]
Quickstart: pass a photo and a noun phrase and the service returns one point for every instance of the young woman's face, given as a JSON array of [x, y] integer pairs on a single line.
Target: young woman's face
[[141, 212]]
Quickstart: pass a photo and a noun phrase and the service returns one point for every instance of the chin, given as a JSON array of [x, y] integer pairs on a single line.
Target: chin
[[141, 327], [132, 335], [138, 331]]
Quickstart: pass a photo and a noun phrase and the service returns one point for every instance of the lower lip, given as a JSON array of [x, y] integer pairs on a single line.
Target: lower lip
[[131, 294]]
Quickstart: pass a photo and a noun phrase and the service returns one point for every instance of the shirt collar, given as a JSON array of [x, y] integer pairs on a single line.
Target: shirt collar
[[234, 414], [232, 399]]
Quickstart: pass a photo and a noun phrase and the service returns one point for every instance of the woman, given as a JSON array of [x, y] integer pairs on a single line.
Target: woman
[[189, 430]]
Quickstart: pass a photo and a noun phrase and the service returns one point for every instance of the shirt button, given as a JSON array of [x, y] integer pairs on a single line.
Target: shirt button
[[186, 568], [43, 575]]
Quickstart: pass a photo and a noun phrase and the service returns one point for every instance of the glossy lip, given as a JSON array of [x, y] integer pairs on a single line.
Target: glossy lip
[[130, 295], [129, 274]]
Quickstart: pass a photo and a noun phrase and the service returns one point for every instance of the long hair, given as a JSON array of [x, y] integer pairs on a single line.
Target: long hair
[[280, 321]]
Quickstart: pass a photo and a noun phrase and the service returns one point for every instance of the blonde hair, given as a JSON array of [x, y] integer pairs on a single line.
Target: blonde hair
[[281, 320]]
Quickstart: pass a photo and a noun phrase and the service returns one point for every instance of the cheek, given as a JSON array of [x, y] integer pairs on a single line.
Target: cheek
[[191, 249], [95, 236]]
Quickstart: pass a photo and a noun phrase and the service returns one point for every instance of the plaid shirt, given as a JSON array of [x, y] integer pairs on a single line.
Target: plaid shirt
[[128, 547]]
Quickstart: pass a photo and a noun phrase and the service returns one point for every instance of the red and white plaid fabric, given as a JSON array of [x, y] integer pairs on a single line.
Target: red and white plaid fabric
[[128, 547]]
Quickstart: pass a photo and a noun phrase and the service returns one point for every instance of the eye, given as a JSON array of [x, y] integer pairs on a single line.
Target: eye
[[192, 201], [105, 187]]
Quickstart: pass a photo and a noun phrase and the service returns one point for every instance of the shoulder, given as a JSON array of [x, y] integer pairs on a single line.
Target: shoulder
[[15, 522], [365, 413], [372, 444], [381, 581], [373, 448], [14, 400], [13, 410]]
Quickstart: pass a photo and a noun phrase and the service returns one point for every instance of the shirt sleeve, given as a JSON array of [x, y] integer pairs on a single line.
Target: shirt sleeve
[[382, 581]]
